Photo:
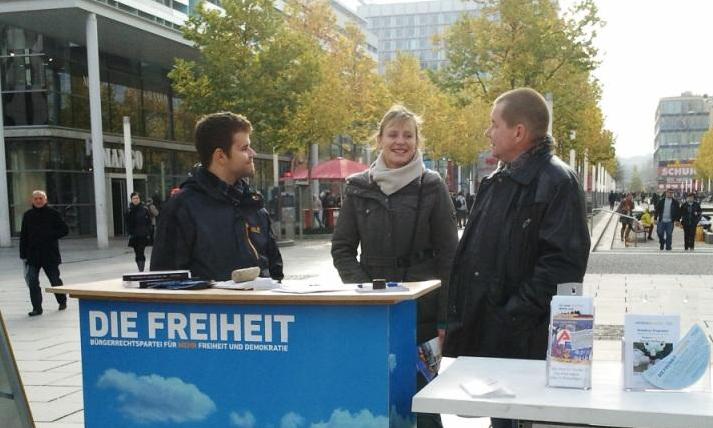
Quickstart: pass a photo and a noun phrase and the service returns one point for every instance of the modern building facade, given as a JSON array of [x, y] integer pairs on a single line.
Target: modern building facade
[[70, 70], [410, 27], [680, 125]]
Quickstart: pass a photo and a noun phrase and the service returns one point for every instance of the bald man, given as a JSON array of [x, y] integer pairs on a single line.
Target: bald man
[[42, 227]]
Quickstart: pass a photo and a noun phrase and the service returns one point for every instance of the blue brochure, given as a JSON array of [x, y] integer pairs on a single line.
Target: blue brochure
[[685, 365]]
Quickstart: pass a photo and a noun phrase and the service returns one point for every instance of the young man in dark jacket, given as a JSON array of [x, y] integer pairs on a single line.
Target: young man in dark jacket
[[216, 223], [527, 232], [41, 228]]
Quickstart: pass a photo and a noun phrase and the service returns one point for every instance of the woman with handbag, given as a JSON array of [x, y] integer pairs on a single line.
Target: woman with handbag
[[138, 224], [401, 215]]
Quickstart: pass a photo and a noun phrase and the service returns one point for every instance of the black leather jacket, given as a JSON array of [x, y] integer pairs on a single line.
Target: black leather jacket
[[212, 229], [527, 232]]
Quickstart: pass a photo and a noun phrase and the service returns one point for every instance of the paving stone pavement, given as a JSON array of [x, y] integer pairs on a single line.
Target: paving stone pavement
[[47, 347]]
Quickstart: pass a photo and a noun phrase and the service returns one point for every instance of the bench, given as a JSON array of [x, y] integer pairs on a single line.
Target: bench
[[638, 229]]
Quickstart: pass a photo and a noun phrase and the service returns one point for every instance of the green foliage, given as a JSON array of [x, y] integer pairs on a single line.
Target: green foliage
[[704, 159], [528, 43], [250, 63], [452, 125]]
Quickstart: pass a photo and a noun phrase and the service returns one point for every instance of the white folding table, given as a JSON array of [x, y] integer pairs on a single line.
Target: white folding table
[[606, 403]]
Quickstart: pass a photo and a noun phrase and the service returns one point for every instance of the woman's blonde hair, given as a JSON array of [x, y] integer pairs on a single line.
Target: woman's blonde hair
[[399, 113]]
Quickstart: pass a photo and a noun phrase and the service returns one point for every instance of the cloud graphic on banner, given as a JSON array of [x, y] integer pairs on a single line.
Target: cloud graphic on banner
[[292, 420], [246, 420], [153, 398], [344, 419]]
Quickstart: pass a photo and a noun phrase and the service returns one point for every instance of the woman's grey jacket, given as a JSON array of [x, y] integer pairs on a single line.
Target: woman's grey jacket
[[384, 225]]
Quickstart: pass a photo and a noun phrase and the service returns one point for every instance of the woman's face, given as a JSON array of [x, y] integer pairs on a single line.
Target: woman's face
[[398, 143], [135, 200]]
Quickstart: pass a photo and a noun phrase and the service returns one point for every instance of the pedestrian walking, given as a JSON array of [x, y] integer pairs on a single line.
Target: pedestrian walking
[[612, 200], [690, 216], [138, 225], [400, 214], [42, 228], [217, 223], [667, 213], [317, 212], [461, 209], [526, 233], [626, 209]]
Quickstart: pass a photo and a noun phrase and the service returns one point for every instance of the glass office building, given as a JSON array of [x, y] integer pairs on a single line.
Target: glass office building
[[46, 108], [410, 27], [680, 125]]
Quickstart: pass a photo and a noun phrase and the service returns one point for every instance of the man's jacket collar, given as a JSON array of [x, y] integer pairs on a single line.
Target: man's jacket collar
[[525, 167], [239, 194]]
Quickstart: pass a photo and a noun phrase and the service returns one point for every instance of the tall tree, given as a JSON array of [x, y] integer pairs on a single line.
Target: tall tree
[[348, 98], [516, 43], [250, 62], [704, 159]]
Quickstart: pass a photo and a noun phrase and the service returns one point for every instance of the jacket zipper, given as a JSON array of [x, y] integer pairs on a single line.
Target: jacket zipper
[[250, 243]]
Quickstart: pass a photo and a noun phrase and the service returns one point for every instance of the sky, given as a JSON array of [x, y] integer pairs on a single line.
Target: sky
[[649, 49]]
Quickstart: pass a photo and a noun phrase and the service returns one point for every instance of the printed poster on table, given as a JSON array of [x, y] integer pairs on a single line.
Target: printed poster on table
[[648, 339], [570, 343]]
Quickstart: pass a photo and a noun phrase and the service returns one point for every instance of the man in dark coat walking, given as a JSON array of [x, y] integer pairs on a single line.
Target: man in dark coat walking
[[42, 227], [526, 233]]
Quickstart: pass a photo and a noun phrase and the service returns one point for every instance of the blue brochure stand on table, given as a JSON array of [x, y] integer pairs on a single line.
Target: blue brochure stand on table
[[225, 358]]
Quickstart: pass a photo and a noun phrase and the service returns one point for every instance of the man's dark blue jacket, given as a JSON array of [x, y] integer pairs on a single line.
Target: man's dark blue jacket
[[212, 228]]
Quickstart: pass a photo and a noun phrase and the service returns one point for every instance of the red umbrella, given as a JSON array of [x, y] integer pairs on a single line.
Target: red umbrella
[[336, 169], [300, 173]]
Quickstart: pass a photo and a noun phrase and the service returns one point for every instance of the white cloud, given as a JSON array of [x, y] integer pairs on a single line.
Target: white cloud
[[392, 363], [246, 420], [344, 419], [153, 398], [292, 420]]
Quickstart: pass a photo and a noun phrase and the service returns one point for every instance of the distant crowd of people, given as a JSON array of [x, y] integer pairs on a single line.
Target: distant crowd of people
[[660, 211]]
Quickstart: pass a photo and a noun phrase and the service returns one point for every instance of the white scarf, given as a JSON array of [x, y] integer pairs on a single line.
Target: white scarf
[[392, 180]]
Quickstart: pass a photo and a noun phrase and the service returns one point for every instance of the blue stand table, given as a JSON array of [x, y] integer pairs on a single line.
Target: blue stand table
[[224, 358]]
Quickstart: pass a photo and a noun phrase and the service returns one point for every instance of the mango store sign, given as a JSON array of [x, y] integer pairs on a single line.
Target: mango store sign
[[114, 158]]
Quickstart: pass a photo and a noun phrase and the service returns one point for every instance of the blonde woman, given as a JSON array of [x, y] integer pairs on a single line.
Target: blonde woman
[[401, 215]]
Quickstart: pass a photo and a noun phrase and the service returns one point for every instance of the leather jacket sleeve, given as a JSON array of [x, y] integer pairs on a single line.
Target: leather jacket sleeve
[[345, 241], [563, 249]]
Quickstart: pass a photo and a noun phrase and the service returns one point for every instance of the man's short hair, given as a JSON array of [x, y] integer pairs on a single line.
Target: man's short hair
[[215, 131], [526, 106], [39, 193]]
